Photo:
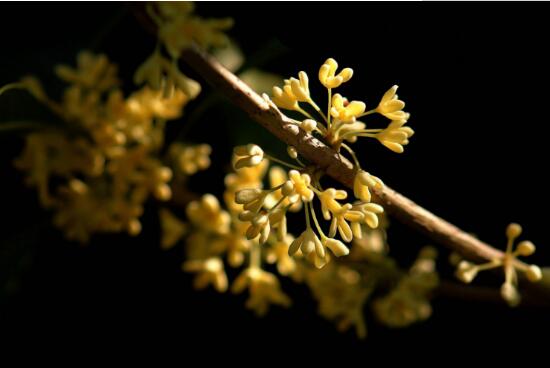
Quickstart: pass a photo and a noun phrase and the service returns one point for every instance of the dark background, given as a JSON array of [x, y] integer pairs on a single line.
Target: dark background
[[474, 77]]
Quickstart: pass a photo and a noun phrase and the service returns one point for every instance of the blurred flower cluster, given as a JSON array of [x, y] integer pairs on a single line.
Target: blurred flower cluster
[[217, 237], [97, 171]]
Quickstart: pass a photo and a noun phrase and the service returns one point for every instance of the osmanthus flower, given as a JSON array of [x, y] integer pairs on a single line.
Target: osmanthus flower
[[277, 254], [277, 177], [92, 72], [467, 271], [163, 75], [395, 136], [209, 272], [391, 107], [178, 28], [113, 150], [340, 122], [344, 111], [234, 244], [363, 183], [189, 159], [328, 76], [408, 302], [248, 156], [263, 288], [208, 215], [243, 178], [342, 295]]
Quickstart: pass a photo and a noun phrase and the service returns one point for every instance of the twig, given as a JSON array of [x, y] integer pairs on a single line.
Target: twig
[[335, 165], [332, 163]]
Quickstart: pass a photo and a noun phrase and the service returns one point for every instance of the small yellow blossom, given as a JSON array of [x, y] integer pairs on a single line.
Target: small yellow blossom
[[285, 98], [344, 111], [300, 88], [209, 272], [408, 302], [327, 74], [364, 183], [395, 136], [190, 159], [342, 295], [234, 244], [207, 214], [391, 107], [467, 271], [179, 28], [92, 72], [248, 156], [370, 211], [263, 287], [301, 184], [278, 253]]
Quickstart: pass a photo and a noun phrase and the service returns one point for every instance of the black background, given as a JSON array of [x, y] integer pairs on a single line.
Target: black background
[[474, 77]]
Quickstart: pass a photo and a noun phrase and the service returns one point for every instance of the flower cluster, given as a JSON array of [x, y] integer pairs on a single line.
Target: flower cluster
[[266, 209], [408, 302], [220, 234], [340, 123], [467, 271], [178, 28], [98, 169]]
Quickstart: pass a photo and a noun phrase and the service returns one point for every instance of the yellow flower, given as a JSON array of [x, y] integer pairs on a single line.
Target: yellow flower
[[408, 302], [148, 103], [370, 212], [175, 9], [278, 253], [467, 271], [190, 159], [243, 178], [180, 32], [391, 107], [327, 74], [234, 244], [301, 184], [264, 290], [341, 296], [93, 72], [395, 136], [339, 221], [300, 88], [209, 271], [277, 177], [248, 156], [284, 98], [364, 183], [344, 111], [207, 214]]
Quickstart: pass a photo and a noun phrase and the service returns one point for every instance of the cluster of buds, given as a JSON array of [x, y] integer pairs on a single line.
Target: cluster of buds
[[266, 209], [340, 124], [467, 271]]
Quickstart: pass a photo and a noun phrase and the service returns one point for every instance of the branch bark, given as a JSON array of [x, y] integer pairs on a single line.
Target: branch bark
[[331, 162]]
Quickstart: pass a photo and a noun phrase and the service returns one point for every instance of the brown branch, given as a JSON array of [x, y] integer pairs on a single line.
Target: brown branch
[[340, 169], [332, 163]]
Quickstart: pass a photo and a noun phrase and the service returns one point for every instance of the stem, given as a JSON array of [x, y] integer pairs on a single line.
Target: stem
[[329, 105], [310, 205], [11, 86], [255, 256], [367, 113], [274, 159], [353, 156]]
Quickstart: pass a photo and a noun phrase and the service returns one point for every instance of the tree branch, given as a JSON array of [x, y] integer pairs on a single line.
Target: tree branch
[[332, 163], [340, 169]]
